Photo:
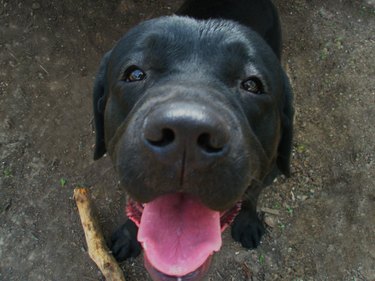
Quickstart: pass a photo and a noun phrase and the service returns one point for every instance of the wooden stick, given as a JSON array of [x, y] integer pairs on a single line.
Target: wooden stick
[[97, 248]]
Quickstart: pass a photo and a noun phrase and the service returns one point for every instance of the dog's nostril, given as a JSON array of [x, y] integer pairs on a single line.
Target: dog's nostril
[[166, 137], [210, 144]]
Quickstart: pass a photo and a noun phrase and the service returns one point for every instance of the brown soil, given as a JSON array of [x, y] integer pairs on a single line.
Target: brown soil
[[322, 220]]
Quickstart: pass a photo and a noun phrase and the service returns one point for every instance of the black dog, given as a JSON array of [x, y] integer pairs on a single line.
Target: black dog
[[196, 113]]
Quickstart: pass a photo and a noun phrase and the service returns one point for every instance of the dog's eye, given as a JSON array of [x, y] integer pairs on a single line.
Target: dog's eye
[[133, 74], [252, 84]]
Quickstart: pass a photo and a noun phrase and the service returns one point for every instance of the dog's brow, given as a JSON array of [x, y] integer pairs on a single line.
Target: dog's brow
[[237, 48], [160, 48]]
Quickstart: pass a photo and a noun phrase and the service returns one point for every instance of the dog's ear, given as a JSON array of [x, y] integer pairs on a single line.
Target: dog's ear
[[99, 101], [285, 145]]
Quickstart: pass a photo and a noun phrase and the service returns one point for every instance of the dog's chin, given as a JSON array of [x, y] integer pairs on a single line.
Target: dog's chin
[[196, 275], [179, 235]]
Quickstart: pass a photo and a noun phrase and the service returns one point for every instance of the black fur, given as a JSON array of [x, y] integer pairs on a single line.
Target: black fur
[[198, 66]]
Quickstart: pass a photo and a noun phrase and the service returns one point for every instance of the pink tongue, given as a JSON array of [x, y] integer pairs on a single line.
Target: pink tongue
[[178, 233]]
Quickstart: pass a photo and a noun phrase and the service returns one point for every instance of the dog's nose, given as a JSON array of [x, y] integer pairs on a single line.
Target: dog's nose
[[191, 131]]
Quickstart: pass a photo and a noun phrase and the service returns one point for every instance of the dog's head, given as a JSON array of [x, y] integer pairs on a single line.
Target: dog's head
[[192, 113]]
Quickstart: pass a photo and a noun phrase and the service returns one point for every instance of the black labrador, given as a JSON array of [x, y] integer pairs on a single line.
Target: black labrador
[[196, 114]]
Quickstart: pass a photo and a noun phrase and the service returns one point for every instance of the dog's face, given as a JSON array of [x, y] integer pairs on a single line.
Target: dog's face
[[194, 108]]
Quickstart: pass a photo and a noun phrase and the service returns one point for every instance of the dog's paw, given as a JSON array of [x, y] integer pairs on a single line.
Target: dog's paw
[[124, 242], [247, 229]]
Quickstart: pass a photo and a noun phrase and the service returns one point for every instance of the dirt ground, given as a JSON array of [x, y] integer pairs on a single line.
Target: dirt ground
[[321, 222]]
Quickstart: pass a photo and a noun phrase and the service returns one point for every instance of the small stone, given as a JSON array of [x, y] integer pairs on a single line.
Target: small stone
[[84, 71], [331, 248], [302, 197], [270, 221], [35, 6]]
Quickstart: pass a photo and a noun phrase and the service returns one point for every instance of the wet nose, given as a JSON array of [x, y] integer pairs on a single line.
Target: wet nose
[[192, 131]]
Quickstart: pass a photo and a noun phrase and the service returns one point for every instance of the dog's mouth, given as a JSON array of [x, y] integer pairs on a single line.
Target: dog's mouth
[[179, 235]]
